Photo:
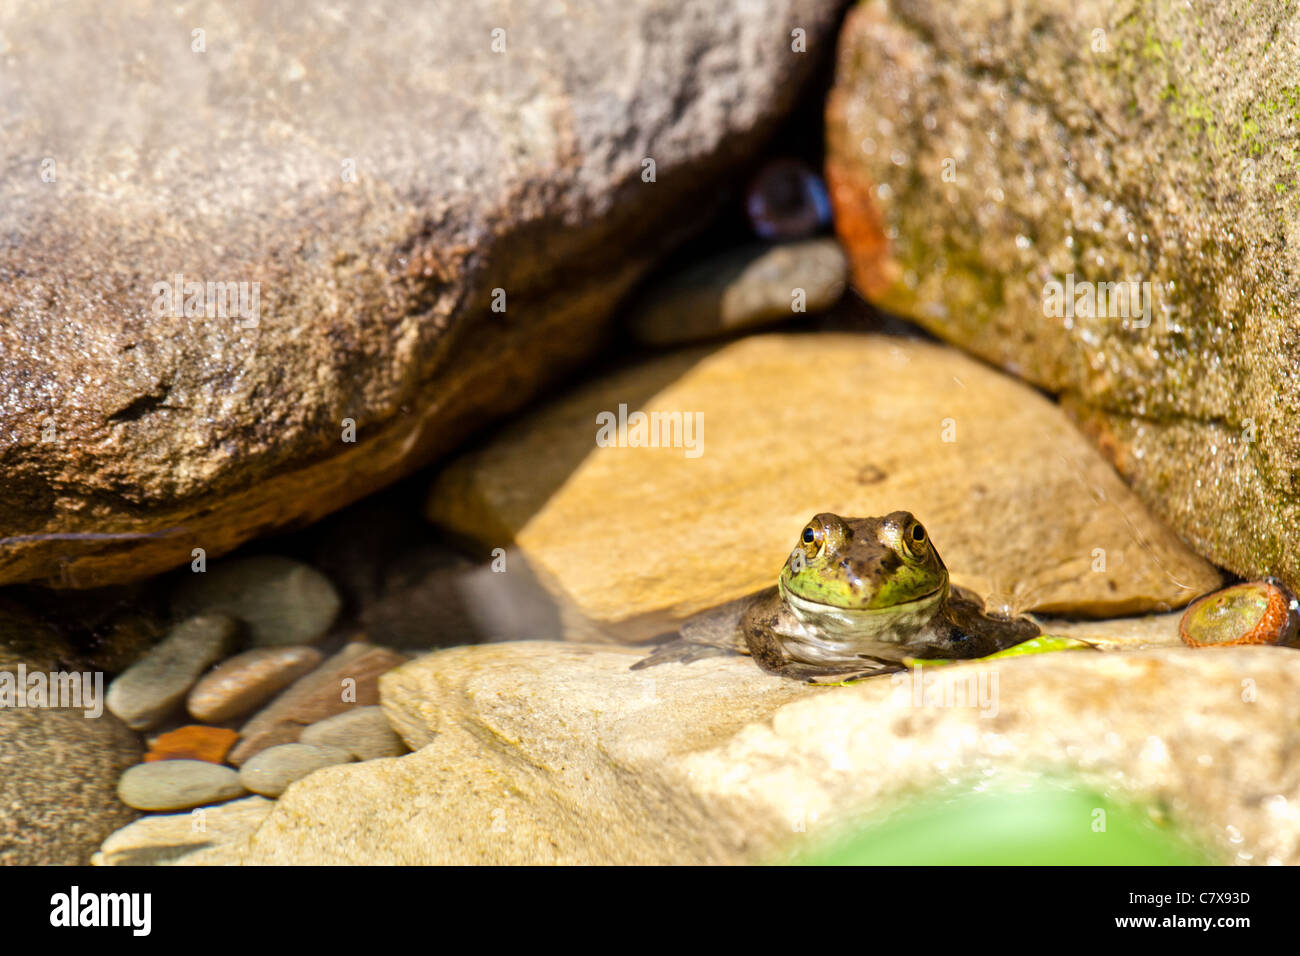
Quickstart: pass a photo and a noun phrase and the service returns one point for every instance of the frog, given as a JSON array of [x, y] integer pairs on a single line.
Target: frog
[[857, 597]]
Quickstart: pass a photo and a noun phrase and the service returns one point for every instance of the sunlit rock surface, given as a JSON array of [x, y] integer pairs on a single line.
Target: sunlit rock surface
[[556, 753], [1021, 507]]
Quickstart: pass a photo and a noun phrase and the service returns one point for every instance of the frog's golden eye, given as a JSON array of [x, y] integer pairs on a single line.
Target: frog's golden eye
[[811, 539], [914, 538]]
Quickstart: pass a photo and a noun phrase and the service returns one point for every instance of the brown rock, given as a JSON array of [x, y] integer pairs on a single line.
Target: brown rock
[[240, 684], [192, 742], [320, 694], [1021, 507], [980, 152], [374, 178]]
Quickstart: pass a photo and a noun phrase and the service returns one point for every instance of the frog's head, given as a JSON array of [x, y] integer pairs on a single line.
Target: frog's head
[[858, 572]]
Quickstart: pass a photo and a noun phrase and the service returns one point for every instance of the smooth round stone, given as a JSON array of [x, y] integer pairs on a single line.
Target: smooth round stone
[[281, 600], [178, 785], [241, 684], [741, 289], [145, 693], [1257, 612], [364, 732], [272, 770]]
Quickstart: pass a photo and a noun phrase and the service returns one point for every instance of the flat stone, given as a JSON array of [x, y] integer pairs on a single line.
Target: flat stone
[[364, 732], [976, 157], [348, 679], [281, 600], [177, 785], [151, 688], [163, 839], [537, 752], [192, 742], [1021, 507], [270, 771], [241, 684], [373, 180], [739, 289]]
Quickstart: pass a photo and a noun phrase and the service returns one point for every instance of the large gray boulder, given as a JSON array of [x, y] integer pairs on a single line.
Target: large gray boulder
[[371, 176]]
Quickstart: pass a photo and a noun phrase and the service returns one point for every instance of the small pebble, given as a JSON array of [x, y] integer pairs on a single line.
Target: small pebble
[[348, 679], [146, 692], [1256, 612], [740, 289], [239, 685], [192, 742], [282, 601], [364, 732], [178, 785], [271, 771]]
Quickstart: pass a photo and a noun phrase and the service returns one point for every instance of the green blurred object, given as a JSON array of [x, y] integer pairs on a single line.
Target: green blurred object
[[1043, 825], [1043, 644]]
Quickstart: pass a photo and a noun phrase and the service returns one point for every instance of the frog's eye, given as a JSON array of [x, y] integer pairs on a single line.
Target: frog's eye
[[918, 534], [810, 541], [914, 538]]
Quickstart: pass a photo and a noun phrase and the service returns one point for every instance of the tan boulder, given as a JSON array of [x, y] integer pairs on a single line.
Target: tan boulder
[[1021, 507]]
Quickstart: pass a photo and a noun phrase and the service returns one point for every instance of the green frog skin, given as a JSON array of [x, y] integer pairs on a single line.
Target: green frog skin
[[856, 597]]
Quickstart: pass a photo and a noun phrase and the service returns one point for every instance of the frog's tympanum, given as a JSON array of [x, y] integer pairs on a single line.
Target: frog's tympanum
[[856, 597]]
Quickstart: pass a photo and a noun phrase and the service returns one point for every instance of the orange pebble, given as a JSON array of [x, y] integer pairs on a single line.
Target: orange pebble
[[194, 742]]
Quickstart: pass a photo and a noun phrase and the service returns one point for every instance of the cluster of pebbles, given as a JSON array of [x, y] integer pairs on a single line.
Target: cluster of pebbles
[[241, 697]]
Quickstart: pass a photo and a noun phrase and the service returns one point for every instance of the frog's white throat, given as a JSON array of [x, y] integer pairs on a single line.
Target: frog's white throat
[[893, 624]]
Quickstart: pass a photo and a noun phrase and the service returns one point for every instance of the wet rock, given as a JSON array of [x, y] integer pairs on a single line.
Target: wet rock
[[364, 732], [152, 687], [192, 742], [177, 785], [348, 679], [747, 287], [270, 771], [240, 684], [369, 183], [1021, 507], [1148, 153], [533, 752], [162, 839], [281, 600]]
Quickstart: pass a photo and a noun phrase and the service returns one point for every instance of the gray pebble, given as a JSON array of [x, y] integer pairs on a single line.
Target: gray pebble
[[282, 601], [145, 693], [740, 289], [178, 785], [364, 732], [270, 771]]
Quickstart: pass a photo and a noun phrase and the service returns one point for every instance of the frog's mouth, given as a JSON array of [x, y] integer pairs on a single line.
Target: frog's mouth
[[893, 624]]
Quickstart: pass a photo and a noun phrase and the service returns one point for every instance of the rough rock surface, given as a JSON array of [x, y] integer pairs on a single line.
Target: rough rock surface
[[979, 151], [58, 768], [537, 752], [378, 174], [1020, 506]]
